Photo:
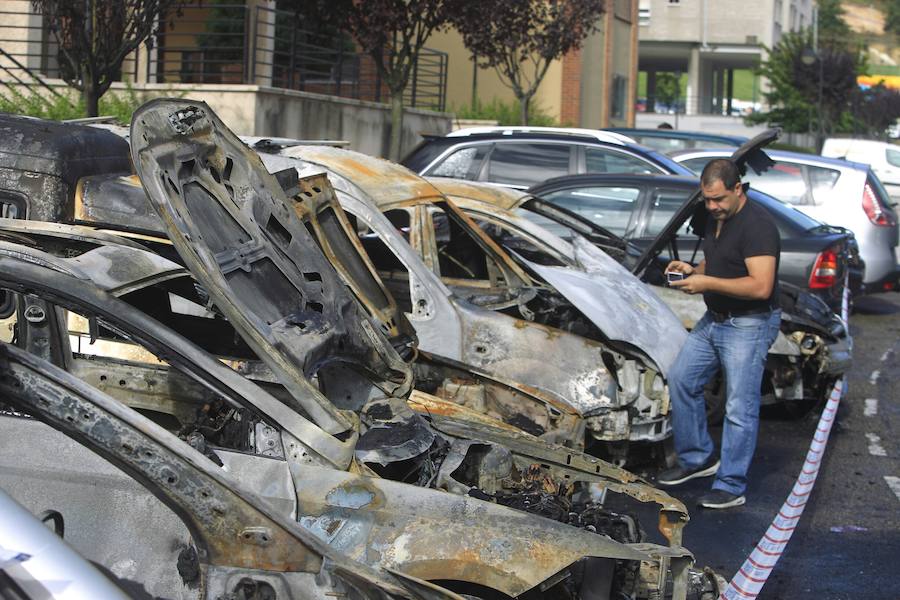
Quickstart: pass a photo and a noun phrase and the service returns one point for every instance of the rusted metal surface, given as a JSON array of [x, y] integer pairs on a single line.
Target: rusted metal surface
[[81, 295], [460, 190], [215, 512], [402, 526], [388, 183], [317, 205]]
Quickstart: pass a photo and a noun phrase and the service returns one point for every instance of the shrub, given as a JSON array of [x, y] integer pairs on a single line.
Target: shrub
[[505, 113]]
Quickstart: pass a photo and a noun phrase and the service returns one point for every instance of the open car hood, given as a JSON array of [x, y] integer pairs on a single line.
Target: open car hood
[[624, 308], [750, 154], [230, 221]]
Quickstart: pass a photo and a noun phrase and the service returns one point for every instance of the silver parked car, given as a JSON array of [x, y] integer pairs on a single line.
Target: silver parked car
[[836, 192]]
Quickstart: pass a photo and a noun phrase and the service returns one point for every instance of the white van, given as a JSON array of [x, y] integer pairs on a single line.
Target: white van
[[884, 158]]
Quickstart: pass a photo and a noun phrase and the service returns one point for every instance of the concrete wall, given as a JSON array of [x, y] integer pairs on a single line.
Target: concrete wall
[[727, 21], [265, 111]]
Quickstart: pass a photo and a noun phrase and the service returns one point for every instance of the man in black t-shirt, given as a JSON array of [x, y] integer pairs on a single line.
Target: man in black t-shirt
[[738, 281]]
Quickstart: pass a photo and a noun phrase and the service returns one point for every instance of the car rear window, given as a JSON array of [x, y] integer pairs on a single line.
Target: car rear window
[[465, 163], [790, 182], [893, 157], [523, 164], [603, 160]]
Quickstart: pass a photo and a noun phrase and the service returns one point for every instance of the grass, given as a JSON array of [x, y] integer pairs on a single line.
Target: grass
[[743, 85], [69, 104]]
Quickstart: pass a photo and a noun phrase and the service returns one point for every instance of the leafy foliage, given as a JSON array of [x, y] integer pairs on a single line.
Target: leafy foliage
[[66, 106], [795, 86], [95, 36], [521, 38], [832, 27], [876, 109], [668, 88], [506, 113], [892, 17]]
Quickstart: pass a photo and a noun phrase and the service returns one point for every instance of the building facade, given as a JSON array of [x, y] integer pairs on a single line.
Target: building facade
[[710, 39], [591, 87]]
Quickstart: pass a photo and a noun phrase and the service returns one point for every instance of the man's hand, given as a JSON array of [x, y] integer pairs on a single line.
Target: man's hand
[[678, 266], [695, 284]]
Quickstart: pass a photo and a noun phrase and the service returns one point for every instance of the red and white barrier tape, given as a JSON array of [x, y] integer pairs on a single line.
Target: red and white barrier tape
[[750, 578]]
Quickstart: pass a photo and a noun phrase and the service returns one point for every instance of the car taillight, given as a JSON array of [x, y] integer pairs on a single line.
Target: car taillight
[[825, 271], [874, 210]]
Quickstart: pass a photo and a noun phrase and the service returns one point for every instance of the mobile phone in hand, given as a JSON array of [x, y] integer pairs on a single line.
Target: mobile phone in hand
[[674, 276]]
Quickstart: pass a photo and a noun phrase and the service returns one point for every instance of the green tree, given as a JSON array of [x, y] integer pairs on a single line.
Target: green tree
[[795, 87], [95, 36], [520, 39], [832, 26], [892, 17], [668, 88]]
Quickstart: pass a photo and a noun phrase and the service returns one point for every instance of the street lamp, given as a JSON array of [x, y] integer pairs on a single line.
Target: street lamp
[[809, 57]]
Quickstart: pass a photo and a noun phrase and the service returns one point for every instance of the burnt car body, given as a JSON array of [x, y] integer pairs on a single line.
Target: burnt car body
[[238, 546], [278, 454], [559, 381], [544, 331], [480, 464], [812, 349]]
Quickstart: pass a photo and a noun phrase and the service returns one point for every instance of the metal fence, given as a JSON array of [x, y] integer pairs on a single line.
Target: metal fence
[[215, 43], [28, 51]]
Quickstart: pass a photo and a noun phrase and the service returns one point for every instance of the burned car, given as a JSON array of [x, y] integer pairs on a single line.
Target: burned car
[[284, 457], [540, 327], [486, 461], [239, 546], [564, 373]]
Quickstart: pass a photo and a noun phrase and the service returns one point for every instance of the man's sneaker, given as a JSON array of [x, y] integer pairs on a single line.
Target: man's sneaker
[[720, 499], [677, 475]]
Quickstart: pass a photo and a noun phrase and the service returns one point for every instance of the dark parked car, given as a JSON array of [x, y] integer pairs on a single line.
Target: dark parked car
[[638, 207], [668, 140], [519, 157]]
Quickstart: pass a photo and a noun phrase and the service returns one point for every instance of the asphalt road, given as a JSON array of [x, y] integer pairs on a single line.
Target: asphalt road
[[847, 542]]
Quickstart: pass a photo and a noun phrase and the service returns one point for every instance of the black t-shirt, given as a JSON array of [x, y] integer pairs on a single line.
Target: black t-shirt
[[751, 232]]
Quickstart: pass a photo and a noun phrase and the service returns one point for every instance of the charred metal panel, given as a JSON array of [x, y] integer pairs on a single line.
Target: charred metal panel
[[83, 296], [41, 162], [116, 200], [236, 540], [230, 222], [398, 526]]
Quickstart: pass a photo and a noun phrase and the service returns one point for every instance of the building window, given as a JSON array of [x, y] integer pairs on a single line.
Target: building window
[[644, 13], [618, 96]]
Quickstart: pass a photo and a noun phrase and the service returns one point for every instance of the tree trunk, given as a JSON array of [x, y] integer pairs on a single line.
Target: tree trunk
[[396, 125], [91, 97], [524, 101]]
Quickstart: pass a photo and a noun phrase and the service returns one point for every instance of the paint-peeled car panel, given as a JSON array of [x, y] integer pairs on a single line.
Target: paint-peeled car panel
[[618, 303]]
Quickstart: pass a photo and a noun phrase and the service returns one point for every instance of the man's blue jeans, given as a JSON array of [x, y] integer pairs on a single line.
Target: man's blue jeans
[[739, 346]]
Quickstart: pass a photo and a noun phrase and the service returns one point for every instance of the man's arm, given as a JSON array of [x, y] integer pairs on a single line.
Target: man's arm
[[757, 285]]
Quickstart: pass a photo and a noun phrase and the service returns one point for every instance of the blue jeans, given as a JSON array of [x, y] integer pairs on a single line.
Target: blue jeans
[[739, 346]]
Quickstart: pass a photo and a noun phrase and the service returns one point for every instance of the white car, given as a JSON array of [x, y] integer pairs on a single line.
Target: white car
[[836, 192], [884, 158]]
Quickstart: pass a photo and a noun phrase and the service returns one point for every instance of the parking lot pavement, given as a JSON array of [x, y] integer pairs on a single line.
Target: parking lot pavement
[[847, 539]]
